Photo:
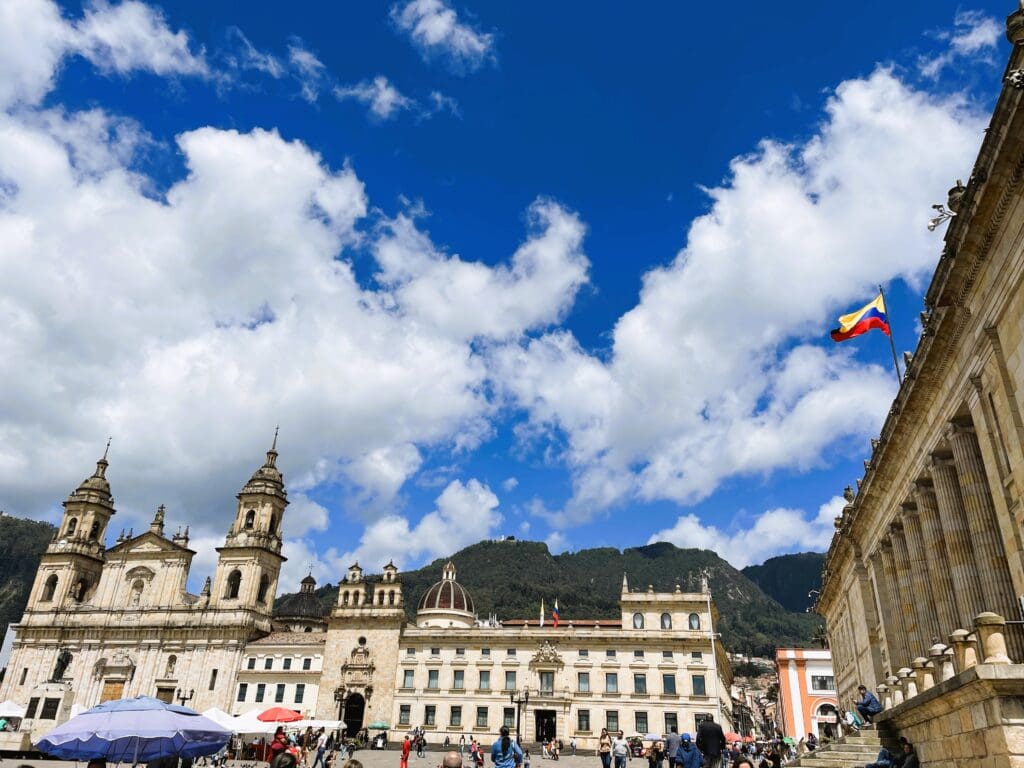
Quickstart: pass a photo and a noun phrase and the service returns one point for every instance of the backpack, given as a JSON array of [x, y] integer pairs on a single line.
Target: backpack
[[284, 760]]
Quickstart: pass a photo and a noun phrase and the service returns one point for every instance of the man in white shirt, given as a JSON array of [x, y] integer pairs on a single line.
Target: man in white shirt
[[620, 750]]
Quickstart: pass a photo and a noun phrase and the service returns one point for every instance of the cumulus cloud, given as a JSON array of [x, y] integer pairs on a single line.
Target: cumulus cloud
[[464, 514], [435, 28], [379, 95], [773, 532], [974, 35], [35, 38], [709, 375]]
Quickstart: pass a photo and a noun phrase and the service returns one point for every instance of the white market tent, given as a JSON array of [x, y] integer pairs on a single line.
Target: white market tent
[[314, 724], [249, 723], [9, 710], [220, 717]]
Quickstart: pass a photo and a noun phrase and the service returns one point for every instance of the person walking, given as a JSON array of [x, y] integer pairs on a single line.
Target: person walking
[[604, 749], [462, 744], [672, 742], [868, 706], [572, 745], [711, 742], [403, 761], [620, 750], [321, 750], [506, 753], [687, 755]]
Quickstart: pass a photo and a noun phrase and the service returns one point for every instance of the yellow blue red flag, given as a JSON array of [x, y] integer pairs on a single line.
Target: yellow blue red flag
[[869, 316]]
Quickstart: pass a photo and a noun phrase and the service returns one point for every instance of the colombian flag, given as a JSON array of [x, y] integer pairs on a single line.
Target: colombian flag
[[554, 614], [863, 320]]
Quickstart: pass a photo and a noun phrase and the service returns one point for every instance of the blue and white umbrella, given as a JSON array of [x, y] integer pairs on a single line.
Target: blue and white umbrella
[[134, 731]]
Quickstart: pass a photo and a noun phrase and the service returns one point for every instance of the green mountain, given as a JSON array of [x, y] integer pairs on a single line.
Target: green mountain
[[509, 578], [789, 578], [22, 542]]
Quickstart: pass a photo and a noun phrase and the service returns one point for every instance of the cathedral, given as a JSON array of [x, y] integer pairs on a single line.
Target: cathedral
[[108, 623]]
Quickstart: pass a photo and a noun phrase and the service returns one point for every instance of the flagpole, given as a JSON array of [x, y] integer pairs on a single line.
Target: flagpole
[[892, 344]]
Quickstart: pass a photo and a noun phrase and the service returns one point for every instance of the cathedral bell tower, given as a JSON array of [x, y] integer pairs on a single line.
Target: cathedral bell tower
[[70, 568], [250, 561]]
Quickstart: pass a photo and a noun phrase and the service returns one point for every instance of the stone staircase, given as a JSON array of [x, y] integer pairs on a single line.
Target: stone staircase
[[851, 751]]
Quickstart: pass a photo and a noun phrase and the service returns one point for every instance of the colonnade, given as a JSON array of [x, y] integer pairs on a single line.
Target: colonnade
[[941, 561]]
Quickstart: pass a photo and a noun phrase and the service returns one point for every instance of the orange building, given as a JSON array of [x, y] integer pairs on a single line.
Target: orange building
[[807, 692]]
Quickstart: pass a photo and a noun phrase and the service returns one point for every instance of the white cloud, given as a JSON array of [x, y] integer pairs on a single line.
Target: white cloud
[[383, 99], [510, 483], [464, 514], [557, 542], [774, 532], [35, 37], [251, 57], [703, 381], [441, 103], [308, 68], [435, 28], [974, 35]]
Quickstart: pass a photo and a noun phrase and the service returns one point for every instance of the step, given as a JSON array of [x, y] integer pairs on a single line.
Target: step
[[837, 746], [836, 760]]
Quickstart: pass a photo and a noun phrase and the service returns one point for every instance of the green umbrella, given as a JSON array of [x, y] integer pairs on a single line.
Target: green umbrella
[[789, 740], [379, 726]]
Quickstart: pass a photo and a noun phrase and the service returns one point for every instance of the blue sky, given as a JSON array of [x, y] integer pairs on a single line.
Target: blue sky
[[563, 271]]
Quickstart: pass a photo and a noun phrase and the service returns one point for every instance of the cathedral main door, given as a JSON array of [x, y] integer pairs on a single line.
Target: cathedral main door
[[355, 706], [545, 720]]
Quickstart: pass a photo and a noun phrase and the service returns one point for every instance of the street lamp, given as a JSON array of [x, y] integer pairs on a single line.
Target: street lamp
[[339, 696], [520, 699], [182, 698]]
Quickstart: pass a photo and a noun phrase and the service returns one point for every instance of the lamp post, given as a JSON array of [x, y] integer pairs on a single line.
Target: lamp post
[[520, 699], [339, 696], [182, 698]]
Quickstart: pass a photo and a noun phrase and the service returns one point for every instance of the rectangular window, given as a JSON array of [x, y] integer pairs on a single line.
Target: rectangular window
[[641, 722], [697, 655], [700, 717], [485, 651], [435, 651], [251, 663], [459, 679], [409, 678], [508, 717], [611, 682], [511, 652], [485, 680], [432, 679], [404, 714], [243, 690], [583, 720], [307, 663], [823, 683], [583, 682], [456, 717], [584, 653], [611, 720], [666, 654], [287, 663], [510, 681], [24, 675], [671, 722], [213, 680], [430, 715], [668, 684], [481, 717], [698, 686], [638, 654], [300, 692], [33, 704], [547, 683], [640, 685], [49, 710], [410, 651], [609, 654], [460, 651], [261, 689], [268, 663], [279, 693]]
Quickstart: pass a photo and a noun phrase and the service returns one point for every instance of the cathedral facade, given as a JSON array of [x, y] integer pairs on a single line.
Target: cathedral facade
[[107, 623]]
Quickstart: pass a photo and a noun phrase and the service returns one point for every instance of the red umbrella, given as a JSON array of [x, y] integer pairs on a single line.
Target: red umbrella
[[730, 737], [279, 715]]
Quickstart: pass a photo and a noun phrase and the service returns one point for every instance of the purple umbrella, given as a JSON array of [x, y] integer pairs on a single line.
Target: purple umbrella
[[134, 731]]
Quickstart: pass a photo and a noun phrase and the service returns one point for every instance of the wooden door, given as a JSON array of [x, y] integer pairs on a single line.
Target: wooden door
[[112, 690], [166, 695]]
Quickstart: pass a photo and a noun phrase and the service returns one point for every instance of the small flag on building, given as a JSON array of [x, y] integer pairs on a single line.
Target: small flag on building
[[554, 614], [542, 611]]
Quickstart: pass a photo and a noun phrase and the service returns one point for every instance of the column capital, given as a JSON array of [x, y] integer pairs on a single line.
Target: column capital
[[941, 460], [896, 527], [958, 427]]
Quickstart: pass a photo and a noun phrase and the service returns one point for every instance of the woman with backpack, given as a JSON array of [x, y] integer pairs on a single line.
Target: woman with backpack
[[506, 753]]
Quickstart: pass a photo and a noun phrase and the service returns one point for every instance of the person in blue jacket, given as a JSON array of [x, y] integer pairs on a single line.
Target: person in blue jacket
[[506, 753], [687, 756]]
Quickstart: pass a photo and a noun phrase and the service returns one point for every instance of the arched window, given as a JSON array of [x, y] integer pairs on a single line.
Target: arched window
[[694, 621], [308, 629], [666, 621], [344, 597], [94, 531], [72, 526], [79, 590], [250, 518], [638, 621], [391, 597], [273, 523], [49, 588], [234, 585], [172, 662], [261, 594], [137, 586], [380, 598]]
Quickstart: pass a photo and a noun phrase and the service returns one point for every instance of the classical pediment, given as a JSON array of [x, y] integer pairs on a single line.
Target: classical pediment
[[146, 544]]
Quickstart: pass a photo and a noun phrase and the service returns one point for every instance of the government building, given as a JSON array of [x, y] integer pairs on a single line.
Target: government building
[[924, 579], [113, 622]]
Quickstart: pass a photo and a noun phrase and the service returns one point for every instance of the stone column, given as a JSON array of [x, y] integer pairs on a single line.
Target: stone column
[[959, 548], [936, 556], [899, 654], [916, 644], [920, 577], [885, 605], [989, 553]]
